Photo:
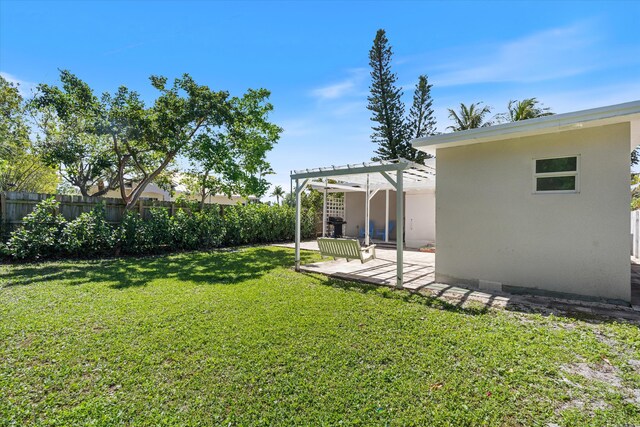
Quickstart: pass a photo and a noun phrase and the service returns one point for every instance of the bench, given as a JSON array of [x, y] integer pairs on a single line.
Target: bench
[[346, 248]]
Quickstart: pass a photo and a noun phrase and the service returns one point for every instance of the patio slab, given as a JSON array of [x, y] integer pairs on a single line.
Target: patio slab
[[419, 269]]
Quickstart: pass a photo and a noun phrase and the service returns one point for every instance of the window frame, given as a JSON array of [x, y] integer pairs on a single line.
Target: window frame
[[537, 175]]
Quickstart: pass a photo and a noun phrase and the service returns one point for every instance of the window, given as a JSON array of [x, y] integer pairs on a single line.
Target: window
[[556, 175]]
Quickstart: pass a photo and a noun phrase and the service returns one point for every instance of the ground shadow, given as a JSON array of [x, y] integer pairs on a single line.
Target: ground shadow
[[227, 266], [405, 295]]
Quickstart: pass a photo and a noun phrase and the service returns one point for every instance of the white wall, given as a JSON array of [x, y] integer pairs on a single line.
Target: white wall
[[354, 211], [420, 218], [419, 207], [492, 227]]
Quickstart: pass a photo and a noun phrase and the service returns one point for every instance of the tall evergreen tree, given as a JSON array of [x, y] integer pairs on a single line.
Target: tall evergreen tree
[[385, 103], [421, 120]]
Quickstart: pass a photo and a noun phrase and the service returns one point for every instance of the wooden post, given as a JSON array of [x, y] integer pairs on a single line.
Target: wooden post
[[3, 206]]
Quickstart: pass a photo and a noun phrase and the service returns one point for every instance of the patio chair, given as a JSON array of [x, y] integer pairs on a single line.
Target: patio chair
[[346, 248], [379, 234], [371, 228]]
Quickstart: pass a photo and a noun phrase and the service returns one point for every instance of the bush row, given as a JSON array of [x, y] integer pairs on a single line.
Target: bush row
[[47, 234]]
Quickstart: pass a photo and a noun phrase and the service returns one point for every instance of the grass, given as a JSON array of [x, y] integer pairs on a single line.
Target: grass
[[238, 338]]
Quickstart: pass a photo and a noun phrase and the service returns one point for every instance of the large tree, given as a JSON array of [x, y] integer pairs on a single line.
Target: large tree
[[21, 168], [233, 161], [228, 136], [421, 120], [14, 129], [69, 118], [470, 117], [385, 103]]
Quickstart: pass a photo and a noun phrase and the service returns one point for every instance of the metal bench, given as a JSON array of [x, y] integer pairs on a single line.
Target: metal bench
[[346, 248]]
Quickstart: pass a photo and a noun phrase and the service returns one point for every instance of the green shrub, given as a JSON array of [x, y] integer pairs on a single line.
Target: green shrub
[[185, 230], [45, 233], [40, 235], [211, 228], [89, 234]]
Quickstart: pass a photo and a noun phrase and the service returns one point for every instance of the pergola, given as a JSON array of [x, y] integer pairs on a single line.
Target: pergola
[[399, 175]]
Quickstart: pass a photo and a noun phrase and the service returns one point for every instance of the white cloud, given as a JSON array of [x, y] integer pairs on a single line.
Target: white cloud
[[24, 86], [347, 87], [546, 55], [337, 90]]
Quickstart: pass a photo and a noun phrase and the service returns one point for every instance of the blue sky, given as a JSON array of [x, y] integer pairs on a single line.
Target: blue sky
[[313, 56]]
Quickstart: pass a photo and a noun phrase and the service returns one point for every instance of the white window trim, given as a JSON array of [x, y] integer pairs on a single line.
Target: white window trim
[[575, 173]]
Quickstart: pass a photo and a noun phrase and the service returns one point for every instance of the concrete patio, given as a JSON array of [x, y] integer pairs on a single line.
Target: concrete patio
[[419, 270]]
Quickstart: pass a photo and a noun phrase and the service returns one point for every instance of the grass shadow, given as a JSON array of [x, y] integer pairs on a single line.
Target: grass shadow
[[228, 266]]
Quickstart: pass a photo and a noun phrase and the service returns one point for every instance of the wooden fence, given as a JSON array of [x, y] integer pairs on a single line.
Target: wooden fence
[[14, 206]]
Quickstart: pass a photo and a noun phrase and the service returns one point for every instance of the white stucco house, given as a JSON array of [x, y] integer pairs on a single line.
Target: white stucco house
[[540, 206]]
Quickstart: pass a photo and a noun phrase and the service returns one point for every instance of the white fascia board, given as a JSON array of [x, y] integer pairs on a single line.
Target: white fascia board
[[620, 113]]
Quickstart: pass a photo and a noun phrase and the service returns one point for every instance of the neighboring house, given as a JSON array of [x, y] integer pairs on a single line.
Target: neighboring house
[[540, 205], [155, 192]]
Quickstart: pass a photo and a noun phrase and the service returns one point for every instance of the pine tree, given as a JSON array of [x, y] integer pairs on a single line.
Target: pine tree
[[421, 120], [385, 102]]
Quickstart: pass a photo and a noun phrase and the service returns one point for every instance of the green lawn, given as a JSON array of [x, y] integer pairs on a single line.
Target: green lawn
[[238, 338]]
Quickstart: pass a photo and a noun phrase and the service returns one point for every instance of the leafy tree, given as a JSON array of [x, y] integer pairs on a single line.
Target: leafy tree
[[528, 108], [310, 199], [233, 161], [69, 119], [421, 120], [228, 136], [385, 103], [277, 193], [25, 171], [14, 130], [21, 169], [470, 117], [202, 184], [635, 156]]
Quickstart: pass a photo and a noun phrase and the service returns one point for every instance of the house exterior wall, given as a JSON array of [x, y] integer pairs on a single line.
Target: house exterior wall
[[419, 207], [354, 211], [492, 227], [420, 218]]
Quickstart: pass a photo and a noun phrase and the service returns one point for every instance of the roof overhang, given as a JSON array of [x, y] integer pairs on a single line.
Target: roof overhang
[[620, 113]]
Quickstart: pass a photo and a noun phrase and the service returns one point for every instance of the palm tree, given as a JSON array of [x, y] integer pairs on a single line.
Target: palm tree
[[528, 108], [277, 193], [470, 117]]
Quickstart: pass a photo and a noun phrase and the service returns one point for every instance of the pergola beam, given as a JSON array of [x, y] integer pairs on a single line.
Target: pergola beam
[[351, 170]]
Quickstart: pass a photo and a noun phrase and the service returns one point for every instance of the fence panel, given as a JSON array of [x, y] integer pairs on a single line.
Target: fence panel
[[15, 205]]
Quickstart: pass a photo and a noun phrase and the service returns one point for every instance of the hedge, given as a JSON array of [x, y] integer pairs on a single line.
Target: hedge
[[47, 234]]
